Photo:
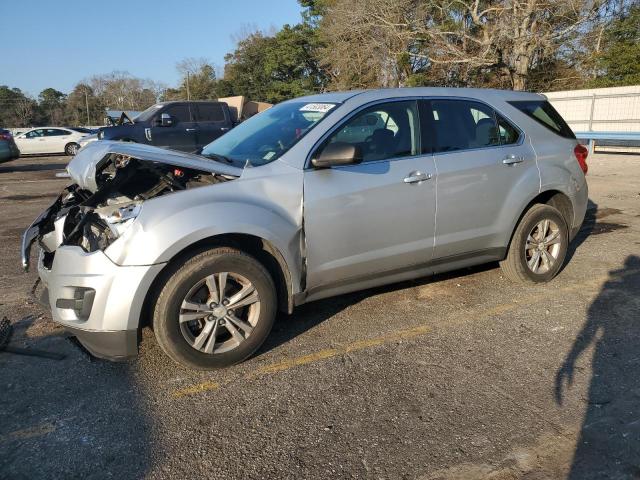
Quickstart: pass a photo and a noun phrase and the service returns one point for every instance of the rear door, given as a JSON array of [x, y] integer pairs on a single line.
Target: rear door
[[485, 168], [375, 219], [213, 122], [56, 139], [181, 135]]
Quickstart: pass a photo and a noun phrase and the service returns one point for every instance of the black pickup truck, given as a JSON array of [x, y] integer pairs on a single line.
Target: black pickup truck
[[186, 126]]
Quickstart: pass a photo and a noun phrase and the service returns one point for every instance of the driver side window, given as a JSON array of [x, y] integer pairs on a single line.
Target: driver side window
[[179, 113], [35, 133], [384, 131]]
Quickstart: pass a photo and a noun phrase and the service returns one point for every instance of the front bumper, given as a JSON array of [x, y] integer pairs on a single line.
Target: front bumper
[[95, 299]]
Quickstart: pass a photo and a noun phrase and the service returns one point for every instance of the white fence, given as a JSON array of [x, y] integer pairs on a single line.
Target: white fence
[[615, 109]]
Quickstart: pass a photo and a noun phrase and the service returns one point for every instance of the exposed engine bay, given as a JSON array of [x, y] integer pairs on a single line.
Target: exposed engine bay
[[93, 218]]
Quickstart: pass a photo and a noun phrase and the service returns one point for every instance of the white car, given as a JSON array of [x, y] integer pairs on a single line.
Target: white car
[[49, 140]]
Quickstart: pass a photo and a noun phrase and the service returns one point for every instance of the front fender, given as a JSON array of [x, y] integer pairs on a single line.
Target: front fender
[[169, 224]]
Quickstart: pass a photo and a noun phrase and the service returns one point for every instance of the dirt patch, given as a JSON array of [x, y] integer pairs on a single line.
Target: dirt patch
[[607, 212], [600, 228]]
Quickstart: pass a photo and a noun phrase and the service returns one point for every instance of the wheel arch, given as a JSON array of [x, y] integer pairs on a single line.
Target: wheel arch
[[68, 144], [552, 197], [263, 250]]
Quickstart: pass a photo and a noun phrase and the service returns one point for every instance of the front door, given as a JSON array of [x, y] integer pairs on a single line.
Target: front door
[[180, 135], [482, 161], [31, 142], [374, 219]]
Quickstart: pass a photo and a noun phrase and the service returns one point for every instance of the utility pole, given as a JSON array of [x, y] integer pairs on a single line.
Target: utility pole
[[188, 93], [86, 102]]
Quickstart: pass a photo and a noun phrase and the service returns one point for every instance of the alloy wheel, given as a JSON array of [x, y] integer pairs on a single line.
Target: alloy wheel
[[219, 312], [543, 246]]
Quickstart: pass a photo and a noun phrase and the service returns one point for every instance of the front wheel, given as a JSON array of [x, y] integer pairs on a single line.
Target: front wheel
[[538, 247], [215, 310]]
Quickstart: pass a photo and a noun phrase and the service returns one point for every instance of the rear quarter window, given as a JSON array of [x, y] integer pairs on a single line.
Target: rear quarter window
[[543, 112]]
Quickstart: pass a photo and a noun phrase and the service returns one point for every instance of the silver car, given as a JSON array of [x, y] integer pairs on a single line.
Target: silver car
[[315, 197]]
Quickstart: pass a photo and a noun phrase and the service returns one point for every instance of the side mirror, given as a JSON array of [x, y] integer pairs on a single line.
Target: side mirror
[[166, 120], [336, 154]]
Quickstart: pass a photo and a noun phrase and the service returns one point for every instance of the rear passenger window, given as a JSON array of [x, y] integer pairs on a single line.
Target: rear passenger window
[[462, 125], [210, 113], [180, 113], [54, 132]]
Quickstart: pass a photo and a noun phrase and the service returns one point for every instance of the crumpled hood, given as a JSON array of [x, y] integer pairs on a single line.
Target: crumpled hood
[[82, 168]]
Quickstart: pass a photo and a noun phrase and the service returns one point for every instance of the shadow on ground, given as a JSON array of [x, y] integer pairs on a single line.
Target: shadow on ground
[[609, 441], [73, 418], [309, 315], [32, 167]]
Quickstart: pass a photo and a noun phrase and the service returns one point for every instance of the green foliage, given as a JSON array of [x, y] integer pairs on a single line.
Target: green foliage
[[16, 108], [198, 82], [273, 69], [619, 62]]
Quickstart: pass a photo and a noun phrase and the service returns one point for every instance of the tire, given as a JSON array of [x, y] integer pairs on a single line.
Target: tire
[[71, 149], [182, 332], [533, 265]]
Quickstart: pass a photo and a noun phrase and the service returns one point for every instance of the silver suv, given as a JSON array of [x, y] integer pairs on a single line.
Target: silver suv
[[315, 197]]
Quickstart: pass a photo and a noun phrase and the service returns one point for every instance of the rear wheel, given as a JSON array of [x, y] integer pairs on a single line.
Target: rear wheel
[[71, 149], [215, 310], [538, 247]]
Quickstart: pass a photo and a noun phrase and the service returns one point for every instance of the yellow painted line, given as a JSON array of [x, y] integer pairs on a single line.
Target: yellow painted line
[[197, 388], [464, 315], [30, 432], [311, 358], [334, 352]]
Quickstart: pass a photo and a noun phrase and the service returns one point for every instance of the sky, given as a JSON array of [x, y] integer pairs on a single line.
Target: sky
[[47, 43]]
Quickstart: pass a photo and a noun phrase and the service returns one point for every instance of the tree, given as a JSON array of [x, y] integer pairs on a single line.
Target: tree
[[198, 81], [618, 63], [448, 42], [76, 106], [276, 68], [120, 91], [51, 105], [16, 109]]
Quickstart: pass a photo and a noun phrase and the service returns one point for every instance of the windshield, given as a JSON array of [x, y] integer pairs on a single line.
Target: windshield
[[148, 113], [268, 135]]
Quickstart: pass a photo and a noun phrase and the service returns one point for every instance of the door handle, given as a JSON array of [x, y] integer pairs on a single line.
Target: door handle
[[512, 159], [416, 177], [190, 129]]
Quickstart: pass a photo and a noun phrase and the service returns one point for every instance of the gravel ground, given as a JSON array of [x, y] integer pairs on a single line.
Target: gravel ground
[[461, 376]]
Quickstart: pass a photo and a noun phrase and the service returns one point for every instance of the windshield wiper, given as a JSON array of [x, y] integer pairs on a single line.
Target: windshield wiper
[[217, 157]]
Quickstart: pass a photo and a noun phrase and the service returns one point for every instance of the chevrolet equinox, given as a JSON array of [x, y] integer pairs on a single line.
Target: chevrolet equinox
[[315, 197]]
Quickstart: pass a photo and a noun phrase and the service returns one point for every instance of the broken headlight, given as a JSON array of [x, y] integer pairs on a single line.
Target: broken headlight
[[99, 228], [120, 217]]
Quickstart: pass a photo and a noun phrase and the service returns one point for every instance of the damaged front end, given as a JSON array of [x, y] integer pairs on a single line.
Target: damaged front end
[[109, 194]]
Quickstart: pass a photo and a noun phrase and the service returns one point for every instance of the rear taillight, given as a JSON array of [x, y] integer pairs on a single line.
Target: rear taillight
[[5, 136], [581, 154]]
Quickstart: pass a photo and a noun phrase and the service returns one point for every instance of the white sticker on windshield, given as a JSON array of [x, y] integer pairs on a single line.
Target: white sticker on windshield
[[268, 155], [317, 107]]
